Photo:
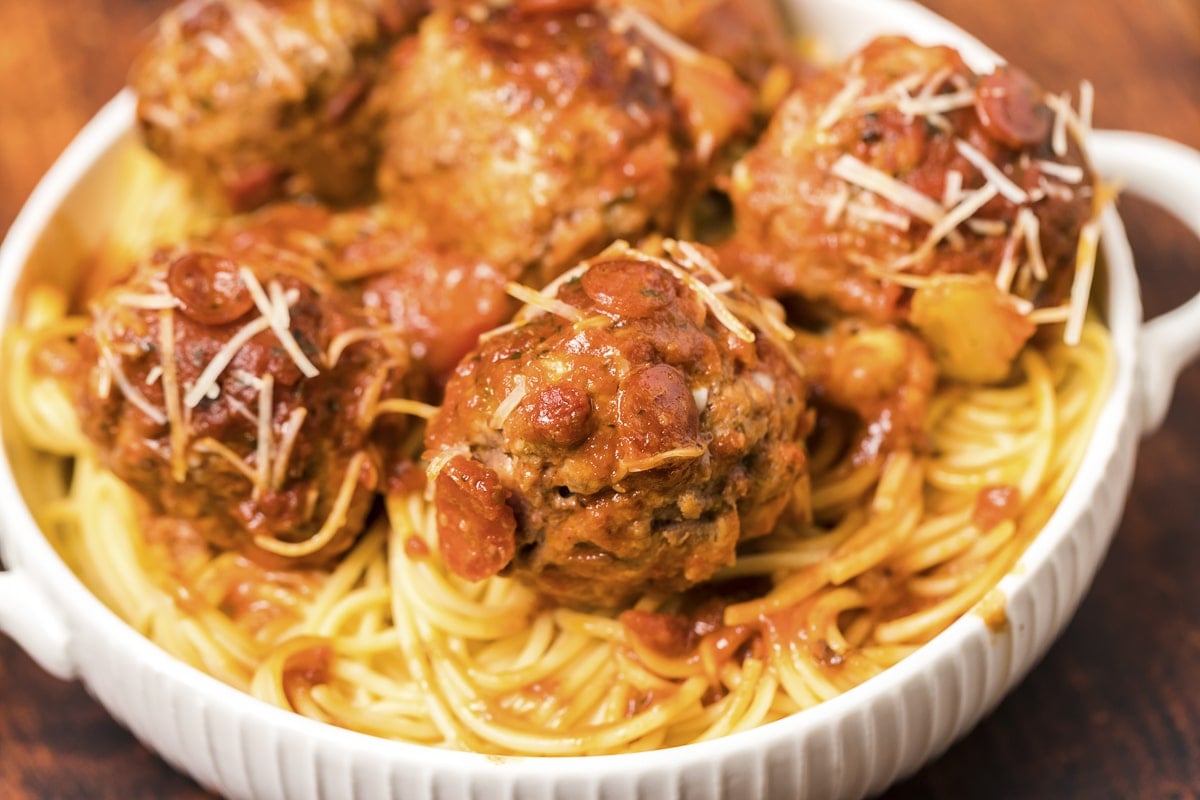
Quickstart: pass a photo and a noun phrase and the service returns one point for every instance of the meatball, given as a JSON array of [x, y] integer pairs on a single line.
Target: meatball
[[261, 98], [633, 425], [903, 173], [231, 384], [442, 299], [530, 135]]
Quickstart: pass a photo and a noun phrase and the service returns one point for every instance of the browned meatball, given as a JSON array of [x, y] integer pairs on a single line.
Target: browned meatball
[[530, 135], [623, 441], [268, 97], [230, 383], [439, 297], [903, 166]]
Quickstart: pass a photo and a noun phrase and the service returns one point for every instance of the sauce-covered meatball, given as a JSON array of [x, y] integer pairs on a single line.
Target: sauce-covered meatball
[[441, 298], [903, 186], [234, 387], [622, 436], [269, 97], [531, 134]]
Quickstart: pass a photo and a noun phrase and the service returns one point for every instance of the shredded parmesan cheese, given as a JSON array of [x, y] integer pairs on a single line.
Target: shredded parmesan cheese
[[1081, 287], [936, 104], [240, 408], [1068, 173], [869, 213], [500, 330], [674, 47], [841, 102], [1008, 257], [952, 192], [1087, 101], [509, 403], [861, 174], [836, 204], [987, 227], [1052, 314], [146, 302], [659, 459], [217, 47], [170, 388], [895, 92], [289, 432], [541, 302], [1061, 105], [1033, 244], [991, 172], [945, 226], [282, 326], [689, 255], [438, 463], [713, 301], [208, 378], [274, 309], [127, 388], [266, 416]]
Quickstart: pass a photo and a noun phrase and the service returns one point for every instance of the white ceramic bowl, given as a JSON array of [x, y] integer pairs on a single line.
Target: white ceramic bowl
[[853, 745]]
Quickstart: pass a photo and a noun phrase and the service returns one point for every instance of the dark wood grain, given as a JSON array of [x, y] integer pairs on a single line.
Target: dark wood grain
[[1114, 708]]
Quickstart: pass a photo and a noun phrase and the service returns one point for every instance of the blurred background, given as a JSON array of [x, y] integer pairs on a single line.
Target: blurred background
[[1112, 711]]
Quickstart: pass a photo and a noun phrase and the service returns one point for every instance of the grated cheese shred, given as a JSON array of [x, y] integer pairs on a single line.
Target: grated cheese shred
[[510, 402], [131, 392], [1081, 286], [863, 175], [274, 308], [438, 463], [266, 416], [208, 378], [289, 433], [544, 303], [170, 389], [1033, 244], [991, 172]]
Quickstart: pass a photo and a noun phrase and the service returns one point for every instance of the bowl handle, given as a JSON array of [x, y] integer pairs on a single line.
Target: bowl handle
[[1167, 174], [26, 616]]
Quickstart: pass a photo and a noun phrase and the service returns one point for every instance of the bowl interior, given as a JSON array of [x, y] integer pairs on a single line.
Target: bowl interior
[[68, 215]]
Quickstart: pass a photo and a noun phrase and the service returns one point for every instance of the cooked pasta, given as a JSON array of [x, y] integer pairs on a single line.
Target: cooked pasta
[[391, 643], [316, 451]]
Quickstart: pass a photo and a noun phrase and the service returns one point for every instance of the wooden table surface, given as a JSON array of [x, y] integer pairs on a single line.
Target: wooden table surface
[[1112, 711]]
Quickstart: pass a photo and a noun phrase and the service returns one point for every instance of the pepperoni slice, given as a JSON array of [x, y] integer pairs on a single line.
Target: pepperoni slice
[[1009, 105], [656, 413], [628, 288], [561, 415], [209, 288]]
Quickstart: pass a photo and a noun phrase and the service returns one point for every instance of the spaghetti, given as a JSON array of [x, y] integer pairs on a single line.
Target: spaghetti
[[900, 516], [390, 643]]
